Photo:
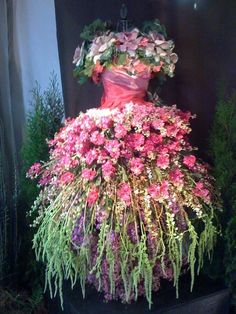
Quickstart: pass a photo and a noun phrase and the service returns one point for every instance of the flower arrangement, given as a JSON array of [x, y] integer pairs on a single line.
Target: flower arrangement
[[123, 202], [135, 50]]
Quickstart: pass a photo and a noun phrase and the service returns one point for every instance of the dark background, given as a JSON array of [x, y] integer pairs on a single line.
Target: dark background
[[205, 41]]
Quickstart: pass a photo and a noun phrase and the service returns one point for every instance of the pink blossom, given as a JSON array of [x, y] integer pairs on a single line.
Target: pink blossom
[[202, 192], [67, 177], [124, 193], [46, 178], [91, 156], [157, 68], [148, 148], [163, 161], [157, 124], [156, 138], [135, 141], [88, 174], [140, 67], [157, 191], [153, 190], [189, 161], [92, 196], [128, 41], [105, 123], [120, 131], [97, 71], [84, 136], [176, 176], [143, 42], [34, 170], [136, 166], [126, 153], [102, 156], [172, 130], [174, 146], [97, 138], [88, 124], [113, 148], [66, 161], [108, 170]]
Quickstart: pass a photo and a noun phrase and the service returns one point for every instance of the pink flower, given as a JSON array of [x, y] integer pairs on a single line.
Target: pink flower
[[163, 161], [105, 123], [34, 170], [128, 41], [189, 161], [120, 131], [135, 141], [92, 196], [148, 147], [88, 174], [172, 130], [157, 124], [136, 166], [157, 68], [84, 136], [67, 177], [102, 156], [108, 170], [144, 41], [174, 146], [153, 190], [156, 138], [66, 161], [141, 67], [157, 191], [176, 176], [97, 71], [88, 123], [97, 138], [124, 193], [91, 156], [126, 153], [113, 148], [46, 178], [202, 192]]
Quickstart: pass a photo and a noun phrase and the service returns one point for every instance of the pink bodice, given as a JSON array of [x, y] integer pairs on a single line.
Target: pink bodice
[[121, 88]]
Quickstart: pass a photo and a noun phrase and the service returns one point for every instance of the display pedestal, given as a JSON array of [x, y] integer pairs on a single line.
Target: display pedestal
[[208, 297]]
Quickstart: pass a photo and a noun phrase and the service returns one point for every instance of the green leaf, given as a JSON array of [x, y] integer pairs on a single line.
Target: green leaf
[[121, 58], [107, 54]]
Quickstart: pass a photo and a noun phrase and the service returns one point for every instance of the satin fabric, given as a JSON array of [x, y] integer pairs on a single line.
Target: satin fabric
[[121, 88]]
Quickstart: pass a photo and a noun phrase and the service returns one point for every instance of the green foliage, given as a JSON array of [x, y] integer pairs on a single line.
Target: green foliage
[[42, 122], [96, 28], [154, 26], [57, 220], [223, 153], [19, 302], [223, 145]]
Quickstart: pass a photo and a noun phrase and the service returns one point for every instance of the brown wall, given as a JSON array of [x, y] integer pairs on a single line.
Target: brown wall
[[205, 42]]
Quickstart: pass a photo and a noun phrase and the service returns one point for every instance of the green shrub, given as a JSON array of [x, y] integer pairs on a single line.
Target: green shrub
[[223, 154], [43, 120]]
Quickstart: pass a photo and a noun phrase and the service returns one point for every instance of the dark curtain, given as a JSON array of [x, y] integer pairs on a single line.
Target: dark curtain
[[205, 37], [11, 126]]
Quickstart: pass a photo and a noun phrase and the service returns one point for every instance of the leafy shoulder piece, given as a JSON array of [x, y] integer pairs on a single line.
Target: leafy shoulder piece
[[154, 26], [96, 28]]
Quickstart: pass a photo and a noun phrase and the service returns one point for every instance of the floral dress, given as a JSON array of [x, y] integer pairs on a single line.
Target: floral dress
[[124, 202]]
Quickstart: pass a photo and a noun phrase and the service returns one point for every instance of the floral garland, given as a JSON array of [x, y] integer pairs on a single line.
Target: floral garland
[[123, 202], [130, 50]]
